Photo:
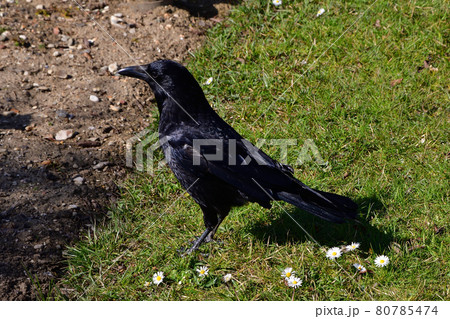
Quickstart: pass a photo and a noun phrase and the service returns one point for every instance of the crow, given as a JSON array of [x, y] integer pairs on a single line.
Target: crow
[[215, 164]]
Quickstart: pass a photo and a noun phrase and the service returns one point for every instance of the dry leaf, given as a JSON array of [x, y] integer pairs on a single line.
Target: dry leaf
[[395, 82]]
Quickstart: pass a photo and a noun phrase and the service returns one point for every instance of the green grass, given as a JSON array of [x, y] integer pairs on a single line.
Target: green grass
[[386, 147]]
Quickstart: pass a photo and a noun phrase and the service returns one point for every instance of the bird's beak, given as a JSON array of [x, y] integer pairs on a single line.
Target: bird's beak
[[137, 71]]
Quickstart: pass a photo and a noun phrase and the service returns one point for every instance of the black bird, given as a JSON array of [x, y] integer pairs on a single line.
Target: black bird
[[216, 165]]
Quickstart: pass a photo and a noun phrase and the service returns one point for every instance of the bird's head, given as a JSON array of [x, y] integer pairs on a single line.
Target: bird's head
[[169, 80]]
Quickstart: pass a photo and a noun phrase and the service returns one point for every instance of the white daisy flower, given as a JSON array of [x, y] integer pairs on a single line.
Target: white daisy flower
[[320, 12], [360, 267], [146, 284], [287, 273], [227, 277], [294, 282], [277, 2], [158, 277], [203, 271], [353, 246], [334, 253], [381, 261], [209, 81]]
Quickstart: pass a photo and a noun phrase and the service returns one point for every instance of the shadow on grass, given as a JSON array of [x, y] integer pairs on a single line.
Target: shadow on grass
[[282, 229]]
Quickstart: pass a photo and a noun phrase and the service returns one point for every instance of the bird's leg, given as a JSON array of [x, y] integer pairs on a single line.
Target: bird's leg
[[211, 234], [199, 241]]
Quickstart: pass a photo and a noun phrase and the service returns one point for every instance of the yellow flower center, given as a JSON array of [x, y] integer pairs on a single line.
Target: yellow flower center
[[294, 282], [334, 253], [288, 274], [158, 278], [202, 271], [382, 261]]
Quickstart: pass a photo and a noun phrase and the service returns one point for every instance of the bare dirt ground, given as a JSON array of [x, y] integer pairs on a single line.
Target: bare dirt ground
[[65, 117]]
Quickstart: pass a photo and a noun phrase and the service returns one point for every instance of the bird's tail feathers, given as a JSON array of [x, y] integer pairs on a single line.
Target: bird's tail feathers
[[328, 206]]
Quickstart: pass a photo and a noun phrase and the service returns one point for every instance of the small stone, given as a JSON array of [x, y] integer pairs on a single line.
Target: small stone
[[115, 108], [70, 42], [113, 67], [43, 88], [46, 163], [56, 30], [56, 53], [49, 137], [94, 98], [63, 135], [72, 207], [22, 37], [30, 127], [50, 46], [9, 113], [40, 7], [100, 165], [38, 246], [117, 22], [118, 15], [5, 36], [61, 74], [64, 114], [78, 180]]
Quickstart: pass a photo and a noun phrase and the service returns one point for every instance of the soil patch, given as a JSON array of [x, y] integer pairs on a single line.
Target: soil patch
[[65, 117]]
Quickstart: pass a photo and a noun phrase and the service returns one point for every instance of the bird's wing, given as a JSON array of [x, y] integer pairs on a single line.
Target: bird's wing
[[234, 161]]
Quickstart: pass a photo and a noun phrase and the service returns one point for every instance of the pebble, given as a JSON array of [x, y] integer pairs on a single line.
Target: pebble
[[30, 127], [94, 98], [64, 114], [63, 135], [78, 180], [40, 7], [22, 37], [117, 22], [46, 163], [9, 113], [115, 108], [72, 206], [38, 246], [113, 67], [100, 165], [5, 36], [61, 74], [56, 53]]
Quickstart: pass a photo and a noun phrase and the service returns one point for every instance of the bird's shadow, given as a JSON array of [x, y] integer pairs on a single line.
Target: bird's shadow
[[17, 122], [286, 227]]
